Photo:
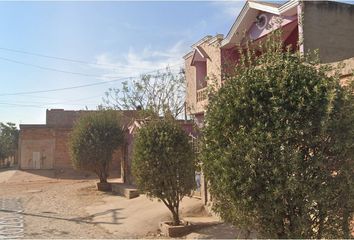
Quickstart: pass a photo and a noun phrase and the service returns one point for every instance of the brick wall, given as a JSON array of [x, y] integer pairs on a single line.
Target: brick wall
[[36, 140], [62, 153], [52, 146], [50, 141], [36, 132], [62, 156], [61, 118]]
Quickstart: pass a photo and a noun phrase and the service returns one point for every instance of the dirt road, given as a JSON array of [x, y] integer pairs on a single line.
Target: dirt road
[[53, 208], [41, 204]]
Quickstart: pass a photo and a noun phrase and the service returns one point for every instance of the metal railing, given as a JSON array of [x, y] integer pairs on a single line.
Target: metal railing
[[202, 94]]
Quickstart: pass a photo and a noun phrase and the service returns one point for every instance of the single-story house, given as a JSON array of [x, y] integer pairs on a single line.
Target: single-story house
[[45, 146]]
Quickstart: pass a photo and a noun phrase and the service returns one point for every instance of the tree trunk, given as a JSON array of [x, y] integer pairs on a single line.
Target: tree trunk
[[102, 173], [346, 213], [175, 216], [281, 234], [346, 223], [103, 180], [321, 217], [103, 177]]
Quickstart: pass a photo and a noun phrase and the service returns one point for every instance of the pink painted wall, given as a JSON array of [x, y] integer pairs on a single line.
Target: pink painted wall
[[229, 59], [201, 73], [292, 39], [273, 23]]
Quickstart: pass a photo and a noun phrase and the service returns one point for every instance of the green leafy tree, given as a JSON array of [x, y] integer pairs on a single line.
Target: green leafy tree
[[161, 92], [278, 145], [8, 139], [94, 139], [336, 201], [163, 163]]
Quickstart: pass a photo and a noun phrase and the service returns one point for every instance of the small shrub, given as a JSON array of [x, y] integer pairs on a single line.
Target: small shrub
[[94, 139], [163, 163]]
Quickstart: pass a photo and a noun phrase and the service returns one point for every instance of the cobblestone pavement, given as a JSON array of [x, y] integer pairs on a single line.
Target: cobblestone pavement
[[11, 218], [36, 206]]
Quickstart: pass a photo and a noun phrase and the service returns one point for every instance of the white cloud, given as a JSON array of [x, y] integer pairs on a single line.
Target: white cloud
[[229, 9], [135, 62]]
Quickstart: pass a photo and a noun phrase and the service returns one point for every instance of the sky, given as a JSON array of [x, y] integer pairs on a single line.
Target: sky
[[51, 45]]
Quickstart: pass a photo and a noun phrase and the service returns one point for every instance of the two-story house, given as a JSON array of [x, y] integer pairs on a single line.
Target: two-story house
[[306, 25]]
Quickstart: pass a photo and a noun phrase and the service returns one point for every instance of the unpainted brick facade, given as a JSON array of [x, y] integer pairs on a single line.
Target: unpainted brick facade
[[45, 146]]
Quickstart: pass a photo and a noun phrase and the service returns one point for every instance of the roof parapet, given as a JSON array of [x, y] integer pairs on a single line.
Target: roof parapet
[[217, 37], [189, 54], [204, 39]]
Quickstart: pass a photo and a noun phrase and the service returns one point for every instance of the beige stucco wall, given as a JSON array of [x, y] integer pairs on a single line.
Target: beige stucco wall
[[213, 74], [191, 85], [214, 61], [329, 27], [345, 68]]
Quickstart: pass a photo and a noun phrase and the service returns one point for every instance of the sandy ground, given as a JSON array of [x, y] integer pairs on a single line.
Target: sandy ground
[[53, 208], [139, 217], [63, 207]]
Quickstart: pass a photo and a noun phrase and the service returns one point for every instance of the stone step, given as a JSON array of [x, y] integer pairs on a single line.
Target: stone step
[[126, 190]]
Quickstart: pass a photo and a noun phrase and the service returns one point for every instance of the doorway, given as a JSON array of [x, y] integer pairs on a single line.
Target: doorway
[[36, 160]]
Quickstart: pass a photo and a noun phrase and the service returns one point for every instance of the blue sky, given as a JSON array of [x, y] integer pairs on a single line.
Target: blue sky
[[124, 38], [114, 39]]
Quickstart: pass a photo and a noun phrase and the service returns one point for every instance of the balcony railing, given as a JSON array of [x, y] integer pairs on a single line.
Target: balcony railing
[[202, 94]]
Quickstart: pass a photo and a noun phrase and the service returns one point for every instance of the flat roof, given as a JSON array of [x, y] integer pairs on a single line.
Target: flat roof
[[33, 126]]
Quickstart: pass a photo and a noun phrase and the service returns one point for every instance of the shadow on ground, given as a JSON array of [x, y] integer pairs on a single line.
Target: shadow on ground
[[66, 174], [218, 230], [113, 213]]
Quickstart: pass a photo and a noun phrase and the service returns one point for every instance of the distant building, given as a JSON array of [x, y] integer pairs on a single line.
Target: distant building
[[45, 146]]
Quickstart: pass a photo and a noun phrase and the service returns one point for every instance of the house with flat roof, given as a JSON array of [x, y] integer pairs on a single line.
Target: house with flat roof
[[45, 146]]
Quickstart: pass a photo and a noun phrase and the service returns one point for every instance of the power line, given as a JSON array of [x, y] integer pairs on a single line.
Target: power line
[[20, 105], [69, 59], [65, 88], [40, 106], [60, 102], [73, 87], [64, 71], [56, 99], [44, 104], [51, 69]]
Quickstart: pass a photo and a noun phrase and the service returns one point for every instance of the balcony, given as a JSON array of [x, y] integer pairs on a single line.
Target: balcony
[[202, 94]]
